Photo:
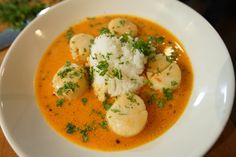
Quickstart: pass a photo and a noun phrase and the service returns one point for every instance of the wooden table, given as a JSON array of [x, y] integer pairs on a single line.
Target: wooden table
[[224, 147]]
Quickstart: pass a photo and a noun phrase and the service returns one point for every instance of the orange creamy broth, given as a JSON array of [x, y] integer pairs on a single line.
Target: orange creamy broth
[[159, 120]]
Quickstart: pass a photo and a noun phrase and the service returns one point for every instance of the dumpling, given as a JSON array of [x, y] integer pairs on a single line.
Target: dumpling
[[79, 46], [121, 26], [163, 74], [128, 115], [70, 81]]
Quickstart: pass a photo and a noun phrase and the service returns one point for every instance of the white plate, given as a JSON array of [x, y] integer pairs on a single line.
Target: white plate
[[194, 133]]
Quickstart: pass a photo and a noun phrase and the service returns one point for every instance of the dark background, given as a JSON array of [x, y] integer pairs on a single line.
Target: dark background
[[222, 16]]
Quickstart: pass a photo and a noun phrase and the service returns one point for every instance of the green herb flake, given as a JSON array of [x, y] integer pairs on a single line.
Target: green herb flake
[[122, 22], [90, 75], [103, 67], [108, 55], [160, 103], [69, 34], [68, 86], [85, 132], [91, 41], [174, 83], [130, 97], [148, 82], [17, 13], [106, 105], [115, 110], [152, 98], [172, 57], [68, 63], [64, 72], [144, 47], [168, 93], [158, 40], [124, 38], [104, 31], [84, 101], [77, 74], [98, 113], [70, 128], [103, 124], [85, 137], [117, 73], [60, 102]]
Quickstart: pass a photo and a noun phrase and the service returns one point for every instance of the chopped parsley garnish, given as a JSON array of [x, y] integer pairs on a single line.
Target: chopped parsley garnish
[[60, 102], [99, 113], [85, 132], [117, 73], [174, 83], [64, 72], [17, 13], [122, 22], [77, 74], [130, 97], [90, 75], [68, 86], [148, 82], [103, 124], [91, 42], [103, 67], [158, 40], [172, 57], [106, 105], [70, 128], [85, 136], [160, 103], [152, 98], [108, 55], [115, 110], [68, 63], [104, 31], [144, 47], [168, 93], [69, 34], [124, 38], [84, 101]]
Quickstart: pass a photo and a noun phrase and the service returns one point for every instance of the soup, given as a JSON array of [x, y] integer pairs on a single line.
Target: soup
[[84, 118]]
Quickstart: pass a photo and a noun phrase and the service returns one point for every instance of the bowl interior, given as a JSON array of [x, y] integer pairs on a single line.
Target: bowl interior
[[196, 130]]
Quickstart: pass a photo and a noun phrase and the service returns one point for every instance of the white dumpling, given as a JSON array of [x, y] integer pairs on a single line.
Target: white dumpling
[[121, 26], [158, 63], [127, 116], [79, 46], [70, 81], [163, 74]]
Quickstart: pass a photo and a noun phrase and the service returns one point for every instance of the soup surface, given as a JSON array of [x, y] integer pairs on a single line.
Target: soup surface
[[83, 120]]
